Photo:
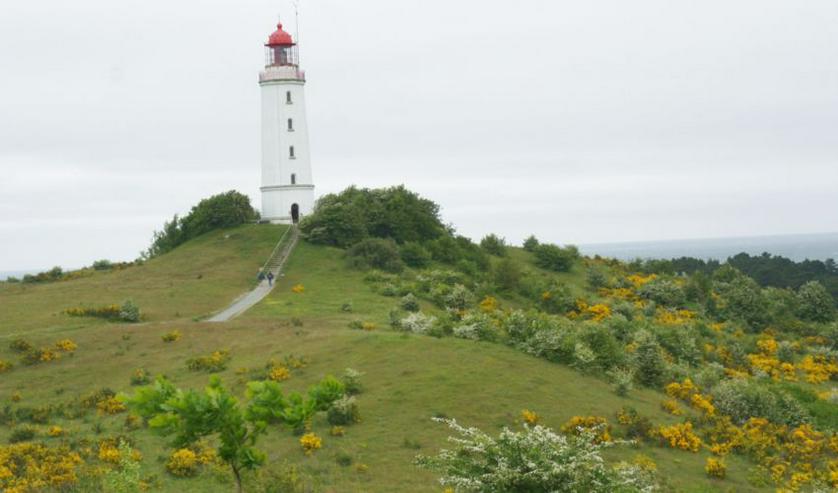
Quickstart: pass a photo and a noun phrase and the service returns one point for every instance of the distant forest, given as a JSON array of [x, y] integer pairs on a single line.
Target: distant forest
[[766, 269]]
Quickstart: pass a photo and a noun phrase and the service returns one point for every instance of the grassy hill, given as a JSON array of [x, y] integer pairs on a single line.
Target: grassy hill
[[407, 378]]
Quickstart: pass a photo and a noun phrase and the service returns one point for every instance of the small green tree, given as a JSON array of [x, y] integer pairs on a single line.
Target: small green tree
[[507, 275], [815, 303], [555, 258], [494, 245], [191, 415], [531, 243], [415, 255]]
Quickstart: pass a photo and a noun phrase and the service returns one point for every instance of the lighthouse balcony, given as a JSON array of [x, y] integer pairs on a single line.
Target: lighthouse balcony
[[282, 72]]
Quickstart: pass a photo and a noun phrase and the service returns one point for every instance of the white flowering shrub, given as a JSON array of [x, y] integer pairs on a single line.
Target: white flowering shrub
[[418, 323], [534, 460], [478, 327]]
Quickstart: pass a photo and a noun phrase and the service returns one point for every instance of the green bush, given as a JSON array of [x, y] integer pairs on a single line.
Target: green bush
[[103, 264], [415, 255], [531, 243], [409, 303], [129, 312], [22, 434], [743, 399], [212, 363], [352, 381], [375, 253], [354, 214], [224, 210], [494, 245], [507, 275], [343, 411], [329, 390], [555, 258], [648, 361], [535, 459], [814, 303], [663, 292]]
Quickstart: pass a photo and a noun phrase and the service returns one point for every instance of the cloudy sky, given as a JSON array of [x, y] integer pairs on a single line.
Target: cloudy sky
[[579, 121]]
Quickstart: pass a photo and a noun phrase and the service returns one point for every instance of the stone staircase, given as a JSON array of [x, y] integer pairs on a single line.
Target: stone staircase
[[283, 249]]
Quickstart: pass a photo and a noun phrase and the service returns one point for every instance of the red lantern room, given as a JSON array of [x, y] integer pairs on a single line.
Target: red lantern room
[[281, 50]]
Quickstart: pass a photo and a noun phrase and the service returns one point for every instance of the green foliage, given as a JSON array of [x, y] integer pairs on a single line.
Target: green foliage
[[354, 214], [531, 243], [742, 399], [54, 274], [415, 255], [409, 303], [742, 299], [375, 253], [494, 245], [623, 379], [125, 478], [343, 411], [815, 303], [663, 292], [648, 361], [189, 416], [352, 381], [596, 278], [326, 392], [211, 363], [103, 264], [219, 211], [22, 434], [507, 275], [555, 258], [129, 312], [534, 460]]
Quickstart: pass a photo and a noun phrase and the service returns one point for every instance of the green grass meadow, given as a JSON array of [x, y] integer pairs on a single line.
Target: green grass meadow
[[407, 379]]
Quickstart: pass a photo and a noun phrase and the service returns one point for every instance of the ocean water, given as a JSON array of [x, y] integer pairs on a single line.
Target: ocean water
[[796, 247]]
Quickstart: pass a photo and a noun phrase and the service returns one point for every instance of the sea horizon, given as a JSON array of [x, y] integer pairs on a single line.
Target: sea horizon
[[797, 247]]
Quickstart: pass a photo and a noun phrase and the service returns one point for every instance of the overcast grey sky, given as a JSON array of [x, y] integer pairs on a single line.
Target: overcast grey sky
[[579, 121]]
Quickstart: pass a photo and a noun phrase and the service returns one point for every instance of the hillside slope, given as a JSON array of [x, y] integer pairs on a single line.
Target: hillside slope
[[194, 280], [407, 379]]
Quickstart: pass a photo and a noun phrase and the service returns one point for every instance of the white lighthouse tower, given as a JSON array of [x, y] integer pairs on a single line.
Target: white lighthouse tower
[[287, 185]]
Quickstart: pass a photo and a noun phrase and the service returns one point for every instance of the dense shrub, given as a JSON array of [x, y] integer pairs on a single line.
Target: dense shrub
[[663, 292], [507, 275], [815, 303], [103, 264], [531, 243], [54, 274], [742, 299], [494, 245], [555, 258], [409, 303], [211, 363], [219, 211], [743, 399], [348, 217], [343, 411], [415, 255], [375, 253], [648, 361], [535, 459]]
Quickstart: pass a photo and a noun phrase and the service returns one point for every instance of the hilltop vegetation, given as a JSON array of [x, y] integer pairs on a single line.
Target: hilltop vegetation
[[721, 383]]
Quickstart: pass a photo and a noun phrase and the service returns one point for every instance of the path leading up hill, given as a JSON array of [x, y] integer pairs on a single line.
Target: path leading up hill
[[275, 262]]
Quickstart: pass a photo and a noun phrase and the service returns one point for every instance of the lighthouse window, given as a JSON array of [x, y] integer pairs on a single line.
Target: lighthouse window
[[288, 97], [290, 125], [293, 178], [291, 152]]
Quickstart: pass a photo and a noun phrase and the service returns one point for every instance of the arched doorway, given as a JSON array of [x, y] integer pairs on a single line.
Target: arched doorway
[[295, 213]]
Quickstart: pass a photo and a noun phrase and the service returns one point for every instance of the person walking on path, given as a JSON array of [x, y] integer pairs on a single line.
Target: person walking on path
[[270, 278], [261, 276]]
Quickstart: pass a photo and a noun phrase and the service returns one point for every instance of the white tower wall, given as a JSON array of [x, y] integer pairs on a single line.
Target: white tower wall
[[286, 178]]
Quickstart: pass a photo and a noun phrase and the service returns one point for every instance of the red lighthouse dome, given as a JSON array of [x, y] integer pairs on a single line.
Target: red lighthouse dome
[[280, 38]]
